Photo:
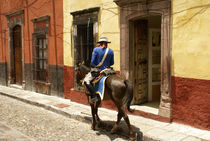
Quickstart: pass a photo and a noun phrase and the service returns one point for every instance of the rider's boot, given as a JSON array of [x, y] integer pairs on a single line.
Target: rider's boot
[[93, 96]]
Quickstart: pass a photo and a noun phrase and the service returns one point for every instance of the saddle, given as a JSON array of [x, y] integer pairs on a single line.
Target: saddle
[[106, 72]]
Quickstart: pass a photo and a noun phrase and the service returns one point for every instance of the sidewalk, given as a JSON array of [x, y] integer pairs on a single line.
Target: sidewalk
[[151, 129]]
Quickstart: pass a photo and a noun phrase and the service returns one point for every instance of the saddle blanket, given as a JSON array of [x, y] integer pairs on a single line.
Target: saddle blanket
[[100, 87]]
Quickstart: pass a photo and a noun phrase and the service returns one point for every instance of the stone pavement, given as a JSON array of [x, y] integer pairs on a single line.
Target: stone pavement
[[9, 134], [151, 129]]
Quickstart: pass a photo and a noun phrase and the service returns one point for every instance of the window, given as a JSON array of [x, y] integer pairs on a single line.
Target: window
[[85, 42], [40, 48], [85, 27], [41, 59], [40, 54]]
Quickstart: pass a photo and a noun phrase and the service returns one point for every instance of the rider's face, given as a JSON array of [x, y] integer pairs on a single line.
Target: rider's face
[[103, 44]]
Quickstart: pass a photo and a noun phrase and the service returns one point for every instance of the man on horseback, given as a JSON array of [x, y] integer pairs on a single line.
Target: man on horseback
[[102, 58], [117, 89]]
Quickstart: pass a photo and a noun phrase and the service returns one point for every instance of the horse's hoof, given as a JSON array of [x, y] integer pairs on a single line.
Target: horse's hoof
[[131, 139], [100, 124], [114, 129], [136, 137], [93, 126], [139, 136], [99, 120]]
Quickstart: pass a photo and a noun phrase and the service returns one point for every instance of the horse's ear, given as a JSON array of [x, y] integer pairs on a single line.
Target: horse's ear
[[78, 63], [76, 68]]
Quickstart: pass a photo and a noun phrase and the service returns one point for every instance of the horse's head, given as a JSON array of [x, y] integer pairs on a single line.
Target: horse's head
[[81, 70]]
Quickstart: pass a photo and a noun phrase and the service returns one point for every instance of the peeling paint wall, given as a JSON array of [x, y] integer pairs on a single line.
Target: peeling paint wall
[[108, 25], [190, 83], [191, 39]]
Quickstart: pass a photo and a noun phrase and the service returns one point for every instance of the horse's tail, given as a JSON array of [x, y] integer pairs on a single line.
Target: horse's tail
[[129, 95]]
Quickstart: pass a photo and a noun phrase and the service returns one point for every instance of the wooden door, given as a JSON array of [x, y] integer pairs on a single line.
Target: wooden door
[[140, 62], [17, 53]]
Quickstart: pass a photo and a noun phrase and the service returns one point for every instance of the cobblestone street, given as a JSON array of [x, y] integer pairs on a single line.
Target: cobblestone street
[[42, 125]]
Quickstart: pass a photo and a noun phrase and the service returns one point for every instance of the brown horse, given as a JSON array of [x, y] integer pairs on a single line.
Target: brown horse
[[120, 91]]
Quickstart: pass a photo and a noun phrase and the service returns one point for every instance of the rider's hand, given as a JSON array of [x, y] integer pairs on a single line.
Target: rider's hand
[[94, 72]]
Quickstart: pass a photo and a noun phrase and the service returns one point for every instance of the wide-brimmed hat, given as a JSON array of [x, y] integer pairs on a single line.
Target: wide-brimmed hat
[[103, 39]]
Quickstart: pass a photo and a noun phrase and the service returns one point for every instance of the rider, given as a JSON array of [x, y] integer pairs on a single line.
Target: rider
[[102, 58]]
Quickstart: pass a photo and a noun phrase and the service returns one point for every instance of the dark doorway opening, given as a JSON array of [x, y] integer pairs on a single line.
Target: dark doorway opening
[[16, 55]]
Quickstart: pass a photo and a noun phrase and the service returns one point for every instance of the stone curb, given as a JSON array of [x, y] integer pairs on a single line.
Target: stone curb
[[47, 107]]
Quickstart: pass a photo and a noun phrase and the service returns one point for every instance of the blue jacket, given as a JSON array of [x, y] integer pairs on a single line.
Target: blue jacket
[[97, 56]]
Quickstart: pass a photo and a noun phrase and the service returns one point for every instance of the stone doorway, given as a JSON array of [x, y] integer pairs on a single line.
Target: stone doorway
[[131, 11], [16, 49]]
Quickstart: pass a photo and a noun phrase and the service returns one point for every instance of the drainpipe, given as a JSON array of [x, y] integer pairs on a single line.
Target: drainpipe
[[55, 42], [29, 39], [1, 34], [2, 46], [5, 56]]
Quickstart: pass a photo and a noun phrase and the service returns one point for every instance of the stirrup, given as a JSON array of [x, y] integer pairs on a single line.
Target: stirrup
[[92, 100]]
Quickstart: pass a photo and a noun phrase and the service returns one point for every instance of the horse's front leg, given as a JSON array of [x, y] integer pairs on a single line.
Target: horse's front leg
[[96, 110], [93, 116]]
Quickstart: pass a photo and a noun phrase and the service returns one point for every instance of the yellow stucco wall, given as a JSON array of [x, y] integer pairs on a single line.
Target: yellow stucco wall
[[191, 38], [108, 26]]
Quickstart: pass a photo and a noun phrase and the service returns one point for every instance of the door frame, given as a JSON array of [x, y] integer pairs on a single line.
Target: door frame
[[15, 18], [129, 12]]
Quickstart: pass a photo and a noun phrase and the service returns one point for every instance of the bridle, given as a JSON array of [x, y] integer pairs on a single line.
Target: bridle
[[80, 74]]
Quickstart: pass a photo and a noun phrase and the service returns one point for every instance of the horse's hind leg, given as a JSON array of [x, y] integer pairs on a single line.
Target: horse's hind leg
[[119, 117], [125, 116], [93, 116]]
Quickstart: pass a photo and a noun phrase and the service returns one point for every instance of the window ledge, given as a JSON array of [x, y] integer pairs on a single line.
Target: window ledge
[[41, 82]]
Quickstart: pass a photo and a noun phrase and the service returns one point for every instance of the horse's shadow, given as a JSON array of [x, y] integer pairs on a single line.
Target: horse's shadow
[[104, 128]]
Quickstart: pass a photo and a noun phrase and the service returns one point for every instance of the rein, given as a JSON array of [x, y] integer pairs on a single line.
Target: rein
[[79, 73]]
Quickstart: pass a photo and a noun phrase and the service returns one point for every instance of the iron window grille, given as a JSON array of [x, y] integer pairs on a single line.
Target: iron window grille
[[40, 59]]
